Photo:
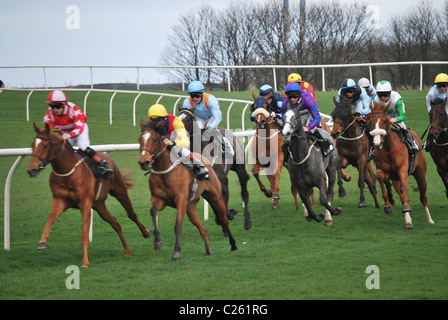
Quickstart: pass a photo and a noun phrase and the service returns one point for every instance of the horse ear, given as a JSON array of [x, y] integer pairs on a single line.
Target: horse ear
[[142, 124], [284, 94], [334, 100], [180, 108], [47, 127], [254, 96], [36, 128], [269, 96]]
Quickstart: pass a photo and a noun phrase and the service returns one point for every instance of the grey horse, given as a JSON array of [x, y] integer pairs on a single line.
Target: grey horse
[[308, 168]]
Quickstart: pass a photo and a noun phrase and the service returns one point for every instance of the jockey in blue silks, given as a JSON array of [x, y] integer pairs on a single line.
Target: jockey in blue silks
[[361, 100], [274, 101]]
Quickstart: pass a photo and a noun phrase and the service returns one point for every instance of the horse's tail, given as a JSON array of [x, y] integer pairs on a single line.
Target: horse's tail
[[128, 181]]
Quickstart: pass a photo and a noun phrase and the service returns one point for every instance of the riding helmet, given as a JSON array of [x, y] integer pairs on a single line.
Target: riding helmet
[[441, 78], [265, 90], [196, 86], [56, 97], [156, 111], [293, 88], [383, 86], [294, 77]]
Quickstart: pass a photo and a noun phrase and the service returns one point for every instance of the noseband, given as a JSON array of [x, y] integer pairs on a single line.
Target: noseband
[[45, 162], [153, 155]]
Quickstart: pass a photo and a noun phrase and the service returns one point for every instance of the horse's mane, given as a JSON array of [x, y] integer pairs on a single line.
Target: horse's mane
[[157, 125]]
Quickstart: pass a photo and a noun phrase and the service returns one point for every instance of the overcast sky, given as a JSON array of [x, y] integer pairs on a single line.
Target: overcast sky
[[97, 32]]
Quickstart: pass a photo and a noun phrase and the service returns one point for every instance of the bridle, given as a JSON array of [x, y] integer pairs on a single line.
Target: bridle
[[45, 162], [388, 126], [155, 154]]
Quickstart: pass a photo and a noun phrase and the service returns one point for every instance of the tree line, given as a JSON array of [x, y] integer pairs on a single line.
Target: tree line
[[325, 32]]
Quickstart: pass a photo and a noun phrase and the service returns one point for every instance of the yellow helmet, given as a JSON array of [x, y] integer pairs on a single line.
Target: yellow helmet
[[441, 77], [157, 110], [294, 77]]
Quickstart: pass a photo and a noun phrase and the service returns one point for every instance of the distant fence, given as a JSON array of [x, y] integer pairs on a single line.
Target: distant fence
[[228, 68]]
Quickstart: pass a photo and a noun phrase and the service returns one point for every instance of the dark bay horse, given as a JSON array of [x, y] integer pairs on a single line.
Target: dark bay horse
[[221, 165], [74, 186], [439, 146], [353, 147], [392, 162], [308, 168], [171, 184], [267, 149]]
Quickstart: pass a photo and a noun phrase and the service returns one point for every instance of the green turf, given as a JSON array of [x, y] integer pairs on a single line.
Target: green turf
[[283, 257]]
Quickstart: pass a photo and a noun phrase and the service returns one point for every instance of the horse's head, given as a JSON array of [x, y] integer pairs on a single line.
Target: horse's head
[[261, 110], [187, 117], [46, 147], [342, 116], [438, 116], [151, 141], [380, 123], [292, 124]]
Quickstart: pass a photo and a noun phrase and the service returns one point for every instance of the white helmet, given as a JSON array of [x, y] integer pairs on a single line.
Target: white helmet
[[364, 82], [383, 86], [56, 97]]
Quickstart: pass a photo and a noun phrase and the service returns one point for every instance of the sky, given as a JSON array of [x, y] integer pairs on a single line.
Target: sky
[[103, 33]]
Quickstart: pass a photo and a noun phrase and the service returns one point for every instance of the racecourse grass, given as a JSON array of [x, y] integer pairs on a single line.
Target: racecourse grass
[[282, 257]]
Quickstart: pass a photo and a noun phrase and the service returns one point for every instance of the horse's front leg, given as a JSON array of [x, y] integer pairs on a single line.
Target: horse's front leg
[[342, 193], [58, 206], [382, 181], [86, 214], [156, 207], [401, 186], [181, 209], [255, 173], [309, 213]]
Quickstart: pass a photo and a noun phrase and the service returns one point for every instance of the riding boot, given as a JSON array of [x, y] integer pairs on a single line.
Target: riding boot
[[324, 143], [103, 166], [221, 142], [427, 145], [197, 168], [414, 148]]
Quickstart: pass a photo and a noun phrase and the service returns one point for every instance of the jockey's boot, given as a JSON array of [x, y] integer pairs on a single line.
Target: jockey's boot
[[411, 142], [103, 166], [197, 167], [427, 145], [222, 143], [326, 146]]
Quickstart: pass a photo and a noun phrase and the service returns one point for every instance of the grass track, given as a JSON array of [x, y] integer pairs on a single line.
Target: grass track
[[283, 257]]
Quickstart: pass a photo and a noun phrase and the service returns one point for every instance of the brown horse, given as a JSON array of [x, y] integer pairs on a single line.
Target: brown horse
[[353, 149], [267, 149], [173, 185], [438, 129], [73, 185], [392, 162]]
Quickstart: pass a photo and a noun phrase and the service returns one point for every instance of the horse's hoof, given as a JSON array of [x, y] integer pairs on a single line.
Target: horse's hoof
[[409, 226], [268, 193], [147, 234], [362, 204], [347, 178], [158, 245], [308, 219], [248, 225], [176, 256], [337, 212], [342, 193], [328, 223], [275, 206], [42, 245], [388, 210], [406, 209], [297, 209], [231, 214]]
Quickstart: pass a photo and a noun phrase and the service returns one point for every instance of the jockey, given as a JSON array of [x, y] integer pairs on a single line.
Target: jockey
[[361, 100], [178, 141], [365, 83], [305, 86], [275, 103], [396, 111], [437, 91], [309, 113], [208, 114], [72, 123]]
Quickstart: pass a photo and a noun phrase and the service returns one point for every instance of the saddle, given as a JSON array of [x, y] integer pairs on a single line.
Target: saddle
[[95, 170], [410, 144]]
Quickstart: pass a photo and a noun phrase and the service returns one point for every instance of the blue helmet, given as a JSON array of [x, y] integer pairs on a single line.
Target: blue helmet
[[348, 83], [265, 90], [293, 87], [196, 86]]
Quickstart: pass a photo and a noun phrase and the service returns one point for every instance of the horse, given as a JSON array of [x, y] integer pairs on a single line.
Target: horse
[[308, 168], [267, 149], [392, 162], [438, 128], [223, 166], [353, 147], [74, 185], [173, 185]]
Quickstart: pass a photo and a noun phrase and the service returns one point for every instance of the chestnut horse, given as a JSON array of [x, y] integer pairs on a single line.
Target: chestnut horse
[[222, 167], [267, 149], [438, 128], [172, 184], [73, 185], [392, 162], [353, 146]]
